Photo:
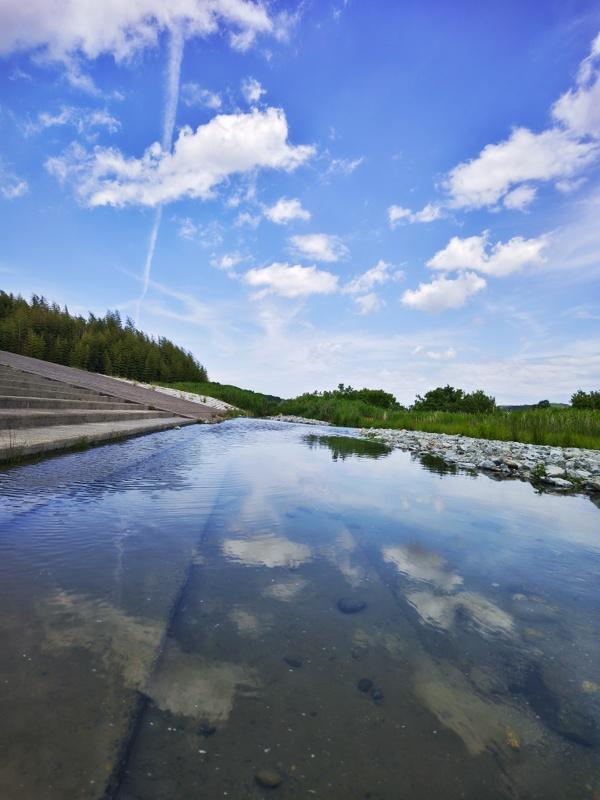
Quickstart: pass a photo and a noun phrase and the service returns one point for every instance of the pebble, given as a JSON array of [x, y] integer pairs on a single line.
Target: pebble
[[377, 695], [350, 605], [590, 686], [301, 420], [269, 778], [365, 685], [512, 740], [558, 483], [560, 469]]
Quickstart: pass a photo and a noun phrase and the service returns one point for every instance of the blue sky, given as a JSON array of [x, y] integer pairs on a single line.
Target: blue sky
[[391, 194]]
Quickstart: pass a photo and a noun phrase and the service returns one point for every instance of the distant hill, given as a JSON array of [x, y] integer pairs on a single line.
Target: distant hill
[[98, 344], [532, 406]]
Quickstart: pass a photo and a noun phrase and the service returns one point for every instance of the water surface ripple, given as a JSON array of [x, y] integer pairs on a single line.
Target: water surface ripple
[[183, 610]]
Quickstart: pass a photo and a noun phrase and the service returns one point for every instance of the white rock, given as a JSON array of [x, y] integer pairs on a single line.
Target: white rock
[[558, 483], [489, 465]]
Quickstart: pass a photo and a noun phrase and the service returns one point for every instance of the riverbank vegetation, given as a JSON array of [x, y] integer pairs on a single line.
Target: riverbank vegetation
[[98, 344], [571, 426], [113, 347]]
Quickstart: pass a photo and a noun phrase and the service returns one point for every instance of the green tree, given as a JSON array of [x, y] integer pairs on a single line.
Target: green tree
[[583, 399], [447, 398], [100, 344]]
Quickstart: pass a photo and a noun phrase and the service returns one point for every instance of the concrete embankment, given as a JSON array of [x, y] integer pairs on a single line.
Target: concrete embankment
[[48, 407]]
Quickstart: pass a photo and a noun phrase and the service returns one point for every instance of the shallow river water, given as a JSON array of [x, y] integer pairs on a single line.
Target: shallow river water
[[181, 611]]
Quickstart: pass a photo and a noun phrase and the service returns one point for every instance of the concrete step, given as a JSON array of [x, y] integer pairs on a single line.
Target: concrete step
[[53, 394], [42, 384], [176, 406], [37, 418], [102, 403], [28, 442]]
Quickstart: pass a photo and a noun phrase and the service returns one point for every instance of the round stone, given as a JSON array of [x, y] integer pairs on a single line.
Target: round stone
[[350, 605], [269, 778], [377, 695]]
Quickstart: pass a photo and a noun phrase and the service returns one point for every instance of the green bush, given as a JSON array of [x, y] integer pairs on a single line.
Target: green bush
[[447, 398], [253, 403], [564, 427], [586, 400]]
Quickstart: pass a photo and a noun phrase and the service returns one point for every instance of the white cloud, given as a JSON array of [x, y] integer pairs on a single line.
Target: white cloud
[[428, 213], [443, 293], [227, 262], [200, 160], [291, 281], [575, 245], [286, 210], [84, 120], [396, 214], [524, 156], [246, 218], [436, 355], [192, 94], [520, 198], [13, 188], [187, 228], [19, 75], [252, 90], [360, 287], [11, 185], [579, 109], [381, 273], [503, 172], [320, 246], [581, 312], [86, 27], [368, 303], [500, 259], [568, 186], [208, 235], [343, 166]]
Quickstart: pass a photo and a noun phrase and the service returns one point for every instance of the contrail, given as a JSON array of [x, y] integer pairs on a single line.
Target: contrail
[[173, 76], [176, 43]]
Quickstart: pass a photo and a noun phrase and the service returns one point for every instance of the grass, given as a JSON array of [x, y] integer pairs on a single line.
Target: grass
[[253, 403], [562, 427]]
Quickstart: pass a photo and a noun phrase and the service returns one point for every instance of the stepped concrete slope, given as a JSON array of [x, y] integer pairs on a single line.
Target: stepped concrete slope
[[47, 407]]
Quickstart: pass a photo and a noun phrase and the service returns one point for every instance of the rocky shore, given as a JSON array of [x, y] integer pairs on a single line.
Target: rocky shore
[[299, 420], [567, 469]]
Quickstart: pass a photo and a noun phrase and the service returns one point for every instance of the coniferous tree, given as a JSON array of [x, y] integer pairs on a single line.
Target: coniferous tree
[[98, 344]]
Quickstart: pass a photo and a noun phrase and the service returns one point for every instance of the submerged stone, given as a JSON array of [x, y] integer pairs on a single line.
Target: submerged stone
[[269, 778], [350, 605], [512, 740], [377, 695], [590, 686]]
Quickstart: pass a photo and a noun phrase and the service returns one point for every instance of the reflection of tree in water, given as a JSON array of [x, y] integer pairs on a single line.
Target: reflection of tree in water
[[345, 446], [438, 465]]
